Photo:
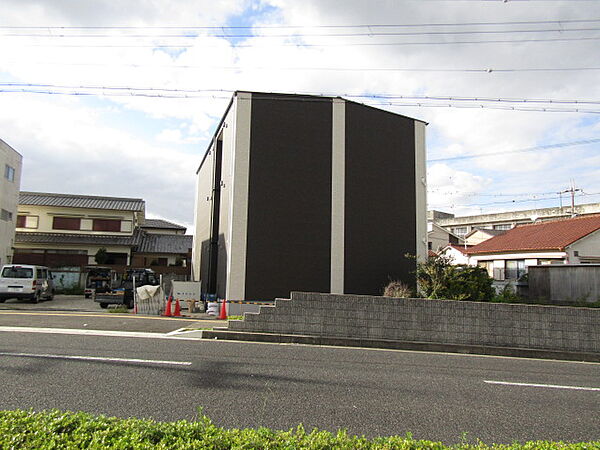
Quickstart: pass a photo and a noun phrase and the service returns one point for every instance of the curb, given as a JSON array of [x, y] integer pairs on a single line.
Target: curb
[[399, 345]]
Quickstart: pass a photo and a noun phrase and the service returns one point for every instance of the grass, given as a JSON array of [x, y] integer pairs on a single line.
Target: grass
[[119, 310], [66, 430], [235, 318]]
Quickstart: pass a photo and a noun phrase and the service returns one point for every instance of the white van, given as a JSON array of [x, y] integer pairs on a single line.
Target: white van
[[23, 281]]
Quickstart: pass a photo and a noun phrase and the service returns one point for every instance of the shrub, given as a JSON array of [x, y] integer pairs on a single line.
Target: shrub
[[101, 256], [67, 430], [397, 289], [507, 295], [438, 278]]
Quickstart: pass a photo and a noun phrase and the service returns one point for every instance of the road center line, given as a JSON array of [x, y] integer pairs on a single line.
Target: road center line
[[550, 386], [97, 358]]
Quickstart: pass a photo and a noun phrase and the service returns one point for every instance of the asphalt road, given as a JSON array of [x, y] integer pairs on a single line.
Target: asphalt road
[[371, 392]]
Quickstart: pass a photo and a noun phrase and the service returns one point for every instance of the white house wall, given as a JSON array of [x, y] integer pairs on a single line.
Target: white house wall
[[588, 246]]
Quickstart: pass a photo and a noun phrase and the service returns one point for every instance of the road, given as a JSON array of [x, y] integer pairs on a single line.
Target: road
[[371, 392]]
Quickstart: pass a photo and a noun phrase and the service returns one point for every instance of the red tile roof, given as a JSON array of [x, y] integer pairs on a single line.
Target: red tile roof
[[550, 235]]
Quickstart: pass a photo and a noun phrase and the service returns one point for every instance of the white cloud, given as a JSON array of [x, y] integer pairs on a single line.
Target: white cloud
[[67, 141]]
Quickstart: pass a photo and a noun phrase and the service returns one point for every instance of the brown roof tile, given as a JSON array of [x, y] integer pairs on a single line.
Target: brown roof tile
[[550, 235]]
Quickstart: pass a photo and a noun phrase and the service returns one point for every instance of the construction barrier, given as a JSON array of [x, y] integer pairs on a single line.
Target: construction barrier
[[149, 300]]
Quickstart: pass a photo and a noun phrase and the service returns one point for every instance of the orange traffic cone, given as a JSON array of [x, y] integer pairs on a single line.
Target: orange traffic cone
[[223, 315], [177, 312], [168, 307]]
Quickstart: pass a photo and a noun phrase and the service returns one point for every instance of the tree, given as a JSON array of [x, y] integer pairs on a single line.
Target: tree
[[438, 278], [101, 256]]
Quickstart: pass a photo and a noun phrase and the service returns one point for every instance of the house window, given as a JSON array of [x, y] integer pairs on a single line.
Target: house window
[[106, 225], [515, 269], [503, 226], [21, 220], [66, 223], [459, 231], [9, 173], [6, 215]]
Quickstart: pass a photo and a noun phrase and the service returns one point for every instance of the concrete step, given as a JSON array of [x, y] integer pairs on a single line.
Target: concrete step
[[397, 345]]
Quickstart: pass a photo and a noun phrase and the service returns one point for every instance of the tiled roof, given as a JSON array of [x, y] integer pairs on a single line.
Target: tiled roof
[[165, 243], [72, 238], [159, 223], [81, 201], [551, 235]]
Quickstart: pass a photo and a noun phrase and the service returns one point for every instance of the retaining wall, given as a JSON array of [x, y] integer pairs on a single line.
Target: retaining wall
[[436, 321]]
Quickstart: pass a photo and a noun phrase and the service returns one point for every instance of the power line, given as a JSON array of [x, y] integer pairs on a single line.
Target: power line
[[523, 150], [296, 35], [488, 70], [303, 26], [380, 96], [306, 45]]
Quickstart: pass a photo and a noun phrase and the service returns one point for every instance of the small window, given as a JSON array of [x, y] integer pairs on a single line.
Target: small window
[[9, 173], [66, 223], [106, 225], [21, 220], [460, 231], [6, 215], [503, 226]]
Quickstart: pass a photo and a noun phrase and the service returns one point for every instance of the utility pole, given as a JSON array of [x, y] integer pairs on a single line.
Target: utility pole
[[571, 191]]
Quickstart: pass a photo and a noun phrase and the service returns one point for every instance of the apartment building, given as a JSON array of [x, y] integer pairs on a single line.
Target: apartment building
[[463, 225], [309, 193], [11, 163]]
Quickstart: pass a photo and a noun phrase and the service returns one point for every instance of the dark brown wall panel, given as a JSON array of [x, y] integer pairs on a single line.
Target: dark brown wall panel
[[289, 209], [380, 199]]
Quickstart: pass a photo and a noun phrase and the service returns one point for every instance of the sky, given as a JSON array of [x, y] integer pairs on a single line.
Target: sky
[[120, 98]]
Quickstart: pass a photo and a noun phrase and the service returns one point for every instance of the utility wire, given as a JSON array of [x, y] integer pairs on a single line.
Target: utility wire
[[488, 70], [305, 35], [304, 26], [306, 45], [385, 96], [523, 150], [106, 92]]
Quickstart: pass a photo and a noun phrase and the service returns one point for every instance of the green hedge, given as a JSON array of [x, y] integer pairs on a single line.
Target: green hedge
[[67, 430]]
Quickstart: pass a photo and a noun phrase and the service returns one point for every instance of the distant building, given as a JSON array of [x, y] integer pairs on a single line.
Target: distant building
[[461, 226], [563, 241], [11, 163], [438, 237], [159, 226], [309, 193], [478, 235], [65, 230]]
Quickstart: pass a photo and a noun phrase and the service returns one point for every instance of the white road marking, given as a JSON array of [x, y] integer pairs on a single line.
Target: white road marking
[[551, 386], [97, 358], [88, 332]]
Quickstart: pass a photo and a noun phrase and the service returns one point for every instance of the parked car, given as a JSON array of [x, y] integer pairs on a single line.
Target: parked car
[[123, 293], [22, 281], [98, 280]]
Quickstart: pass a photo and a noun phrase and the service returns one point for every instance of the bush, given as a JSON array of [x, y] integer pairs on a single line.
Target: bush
[[397, 289], [438, 278], [101, 256], [56, 429], [507, 295]]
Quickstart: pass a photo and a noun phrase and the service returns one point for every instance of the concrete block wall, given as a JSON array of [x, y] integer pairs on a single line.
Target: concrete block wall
[[436, 321]]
